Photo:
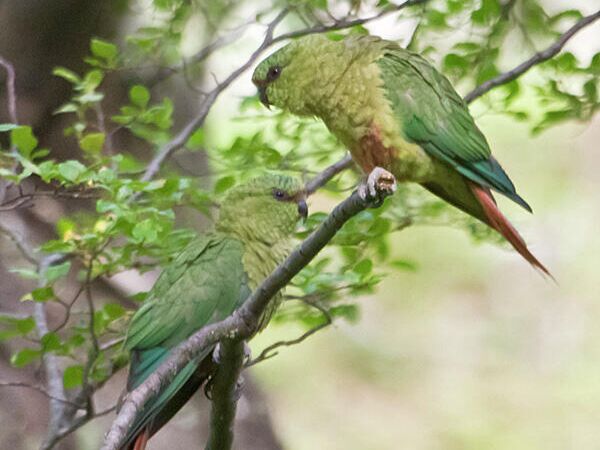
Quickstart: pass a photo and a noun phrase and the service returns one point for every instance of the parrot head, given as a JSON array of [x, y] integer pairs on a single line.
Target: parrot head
[[266, 208], [289, 77]]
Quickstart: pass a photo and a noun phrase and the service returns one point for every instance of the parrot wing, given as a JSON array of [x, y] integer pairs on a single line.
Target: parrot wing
[[204, 284], [434, 116]]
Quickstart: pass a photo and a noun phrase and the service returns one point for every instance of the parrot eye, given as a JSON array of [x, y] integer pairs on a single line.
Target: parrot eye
[[278, 194], [273, 73]]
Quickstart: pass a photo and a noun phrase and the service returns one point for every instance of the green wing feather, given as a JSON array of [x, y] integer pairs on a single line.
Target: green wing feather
[[434, 116], [204, 284]]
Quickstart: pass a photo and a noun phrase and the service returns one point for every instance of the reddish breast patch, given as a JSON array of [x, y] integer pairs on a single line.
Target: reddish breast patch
[[370, 151]]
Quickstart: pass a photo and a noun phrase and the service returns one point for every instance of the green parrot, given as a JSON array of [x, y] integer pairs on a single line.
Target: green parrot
[[204, 284], [395, 113]]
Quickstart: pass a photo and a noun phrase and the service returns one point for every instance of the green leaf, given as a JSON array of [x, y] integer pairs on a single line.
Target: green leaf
[[146, 231], [42, 294], [51, 342], [196, 140], [24, 357], [91, 81], [66, 74], [58, 246], [224, 183], [404, 264], [348, 312], [436, 19], [591, 90], [92, 142], [71, 170], [73, 376], [57, 271], [489, 10], [114, 310], [7, 127], [139, 95], [574, 14], [104, 50], [364, 267], [28, 274], [22, 137], [25, 326], [66, 108]]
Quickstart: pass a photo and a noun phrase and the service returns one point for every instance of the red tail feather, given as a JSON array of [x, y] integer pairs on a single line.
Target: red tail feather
[[141, 440], [501, 224]]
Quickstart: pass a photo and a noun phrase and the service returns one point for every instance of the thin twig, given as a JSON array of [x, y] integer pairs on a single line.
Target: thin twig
[[38, 389], [269, 352], [538, 58], [20, 243], [22, 199], [51, 366], [75, 424], [10, 90], [11, 99], [345, 23], [327, 174]]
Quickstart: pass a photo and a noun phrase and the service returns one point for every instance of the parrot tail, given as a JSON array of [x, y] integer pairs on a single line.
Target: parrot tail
[[141, 440], [501, 224]]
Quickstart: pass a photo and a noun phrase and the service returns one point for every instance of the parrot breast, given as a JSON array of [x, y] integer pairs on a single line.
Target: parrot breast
[[360, 115]]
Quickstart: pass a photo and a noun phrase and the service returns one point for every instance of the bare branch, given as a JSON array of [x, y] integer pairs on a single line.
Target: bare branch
[[202, 54], [538, 58], [10, 90], [270, 352], [52, 370], [20, 243], [22, 200], [240, 325], [327, 174], [75, 424], [345, 23], [38, 389]]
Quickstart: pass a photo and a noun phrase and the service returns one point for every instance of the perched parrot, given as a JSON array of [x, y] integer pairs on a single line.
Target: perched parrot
[[204, 284], [395, 113]]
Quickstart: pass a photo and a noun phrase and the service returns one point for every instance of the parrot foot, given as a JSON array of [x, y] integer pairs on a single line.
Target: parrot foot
[[379, 184], [216, 355], [239, 388]]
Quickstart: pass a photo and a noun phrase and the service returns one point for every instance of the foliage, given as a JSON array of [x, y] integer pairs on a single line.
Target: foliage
[[131, 219]]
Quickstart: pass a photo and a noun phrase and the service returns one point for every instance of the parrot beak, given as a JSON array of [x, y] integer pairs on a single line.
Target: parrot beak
[[303, 208], [262, 95]]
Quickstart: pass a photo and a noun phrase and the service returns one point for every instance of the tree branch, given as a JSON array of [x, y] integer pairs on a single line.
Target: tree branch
[[225, 395], [270, 352], [323, 177], [10, 90], [11, 100], [538, 58], [20, 243], [240, 325], [344, 23], [52, 370], [38, 389]]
